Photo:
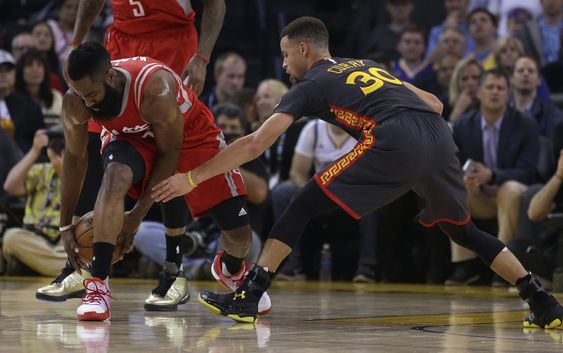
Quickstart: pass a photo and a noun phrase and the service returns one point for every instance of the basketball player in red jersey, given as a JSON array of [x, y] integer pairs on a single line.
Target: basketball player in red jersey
[[152, 126], [163, 30]]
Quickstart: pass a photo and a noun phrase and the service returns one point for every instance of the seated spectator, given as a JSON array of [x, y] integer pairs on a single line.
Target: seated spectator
[[411, 48], [45, 43], [438, 80], [456, 17], [541, 35], [19, 115], [11, 155], [384, 38], [505, 11], [463, 88], [267, 96], [483, 31], [229, 73], [37, 243], [503, 145], [63, 27], [32, 80], [21, 43], [451, 42], [319, 145], [507, 51], [525, 81]]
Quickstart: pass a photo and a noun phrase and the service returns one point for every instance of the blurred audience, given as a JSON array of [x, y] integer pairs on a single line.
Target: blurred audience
[[483, 31], [229, 73], [21, 43], [451, 42], [45, 43], [463, 88], [411, 47], [503, 146], [509, 11], [11, 155], [32, 80], [62, 28], [37, 243], [456, 17], [20, 116]]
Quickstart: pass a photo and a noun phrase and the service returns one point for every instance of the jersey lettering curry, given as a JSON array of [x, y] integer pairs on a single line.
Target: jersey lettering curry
[[349, 93]]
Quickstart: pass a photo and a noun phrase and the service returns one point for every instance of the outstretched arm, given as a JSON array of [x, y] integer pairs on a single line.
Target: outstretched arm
[[239, 152], [211, 23]]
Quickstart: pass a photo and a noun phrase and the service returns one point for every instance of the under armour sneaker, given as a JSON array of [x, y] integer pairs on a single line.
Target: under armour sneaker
[[96, 301], [242, 305], [545, 310], [68, 285], [234, 281], [172, 290]]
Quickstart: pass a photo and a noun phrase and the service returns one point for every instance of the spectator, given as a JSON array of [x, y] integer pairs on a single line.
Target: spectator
[[411, 47], [63, 27], [455, 18], [541, 36], [504, 8], [21, 43], [244, 99], [45, 42], [11, 155], [452, 42], [268, 95], [507, 51], [463, 88], [525, 81], [318, 146], [37, 243], [384, 39], [229, 73], [19, 115], [504, 147], [483, 31], [32, 80]]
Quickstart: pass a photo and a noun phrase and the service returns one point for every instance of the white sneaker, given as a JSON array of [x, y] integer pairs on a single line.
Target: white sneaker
[[96, 301], [94, 336], [233, 282]]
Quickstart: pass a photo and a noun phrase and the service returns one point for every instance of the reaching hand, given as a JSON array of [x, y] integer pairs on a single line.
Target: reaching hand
[[172, 187], [195, 74], [71, 249]]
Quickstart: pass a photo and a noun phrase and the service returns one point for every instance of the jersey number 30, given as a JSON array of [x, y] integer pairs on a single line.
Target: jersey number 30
[[138, 10], [372, 80]]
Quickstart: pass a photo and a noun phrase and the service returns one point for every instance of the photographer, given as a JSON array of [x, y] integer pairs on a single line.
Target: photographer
[[37, 242]]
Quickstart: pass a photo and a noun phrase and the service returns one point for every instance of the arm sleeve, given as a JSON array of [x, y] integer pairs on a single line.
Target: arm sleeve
[[306, 140]]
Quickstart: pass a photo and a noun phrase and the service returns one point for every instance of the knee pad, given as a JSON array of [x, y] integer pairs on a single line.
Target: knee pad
[[486, 246], [174, 213]]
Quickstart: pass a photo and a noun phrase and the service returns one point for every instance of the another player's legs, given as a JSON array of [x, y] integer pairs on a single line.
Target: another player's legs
[[172, 289], [242, 305], [69, 284]]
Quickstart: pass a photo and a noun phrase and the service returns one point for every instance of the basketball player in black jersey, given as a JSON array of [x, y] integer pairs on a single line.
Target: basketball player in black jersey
[[403, 144]]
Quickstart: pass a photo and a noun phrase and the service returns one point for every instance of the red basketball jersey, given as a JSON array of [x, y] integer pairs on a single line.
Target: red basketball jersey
[[151, 16], [130, 124]]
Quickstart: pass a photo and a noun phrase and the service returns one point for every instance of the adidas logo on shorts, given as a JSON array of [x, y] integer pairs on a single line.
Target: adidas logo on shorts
[[242, 212]]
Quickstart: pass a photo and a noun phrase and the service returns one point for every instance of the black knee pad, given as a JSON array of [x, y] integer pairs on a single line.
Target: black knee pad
[[174, 213], [486, 246]]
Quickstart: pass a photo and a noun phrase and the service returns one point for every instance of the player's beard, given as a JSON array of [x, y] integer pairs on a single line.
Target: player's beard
[[109, 107]]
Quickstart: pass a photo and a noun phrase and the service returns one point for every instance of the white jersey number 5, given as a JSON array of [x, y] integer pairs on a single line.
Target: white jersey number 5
[[138, 10]]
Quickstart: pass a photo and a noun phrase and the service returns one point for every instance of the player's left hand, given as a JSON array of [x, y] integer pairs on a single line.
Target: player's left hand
[[125, 238], [194, 72], [172, 187]]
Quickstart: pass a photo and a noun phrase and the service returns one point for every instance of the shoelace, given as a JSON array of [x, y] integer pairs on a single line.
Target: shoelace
[[164, 283], [64, 274], [96, 296]]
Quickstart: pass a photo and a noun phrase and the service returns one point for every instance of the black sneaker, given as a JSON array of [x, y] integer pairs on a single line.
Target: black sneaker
[[465, 273], [546, 312], [242, 305]]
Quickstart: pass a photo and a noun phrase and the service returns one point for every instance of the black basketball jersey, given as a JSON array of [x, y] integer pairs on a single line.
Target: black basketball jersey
[[349, 93]]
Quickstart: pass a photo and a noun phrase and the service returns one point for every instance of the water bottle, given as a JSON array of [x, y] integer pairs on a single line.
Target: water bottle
[[325, 270]]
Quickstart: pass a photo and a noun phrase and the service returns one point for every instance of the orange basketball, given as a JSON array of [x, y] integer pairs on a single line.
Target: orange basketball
[[84, 236]]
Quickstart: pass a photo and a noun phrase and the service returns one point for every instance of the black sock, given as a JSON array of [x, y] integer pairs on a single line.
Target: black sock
[[173, 253], [101, 260], [233, 263]]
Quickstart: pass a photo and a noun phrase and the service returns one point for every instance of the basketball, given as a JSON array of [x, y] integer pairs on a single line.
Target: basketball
[[84, 236]]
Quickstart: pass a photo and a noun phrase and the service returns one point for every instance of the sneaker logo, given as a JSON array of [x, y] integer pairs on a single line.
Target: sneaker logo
[[242, 212], [241, 295]]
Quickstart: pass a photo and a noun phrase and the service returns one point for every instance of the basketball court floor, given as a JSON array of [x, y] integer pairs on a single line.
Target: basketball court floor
[[306, 317]]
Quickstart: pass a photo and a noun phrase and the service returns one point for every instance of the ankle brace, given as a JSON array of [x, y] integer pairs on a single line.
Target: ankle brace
[[258, 281], [528, 287]]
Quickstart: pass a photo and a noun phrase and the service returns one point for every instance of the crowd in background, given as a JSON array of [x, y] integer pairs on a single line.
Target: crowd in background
[[496, 65]]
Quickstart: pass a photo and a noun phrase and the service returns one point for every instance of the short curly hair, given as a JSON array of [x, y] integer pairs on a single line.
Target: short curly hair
[[89, 59]]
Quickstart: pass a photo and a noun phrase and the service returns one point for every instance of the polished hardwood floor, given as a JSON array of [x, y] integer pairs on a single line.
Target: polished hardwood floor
[[306, 317]]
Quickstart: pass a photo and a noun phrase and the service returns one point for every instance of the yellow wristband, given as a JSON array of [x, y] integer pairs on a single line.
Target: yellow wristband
[[190, 180]]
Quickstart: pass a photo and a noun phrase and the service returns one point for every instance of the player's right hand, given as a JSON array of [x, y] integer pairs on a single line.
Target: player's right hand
[[172, 187], [71, 249]]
